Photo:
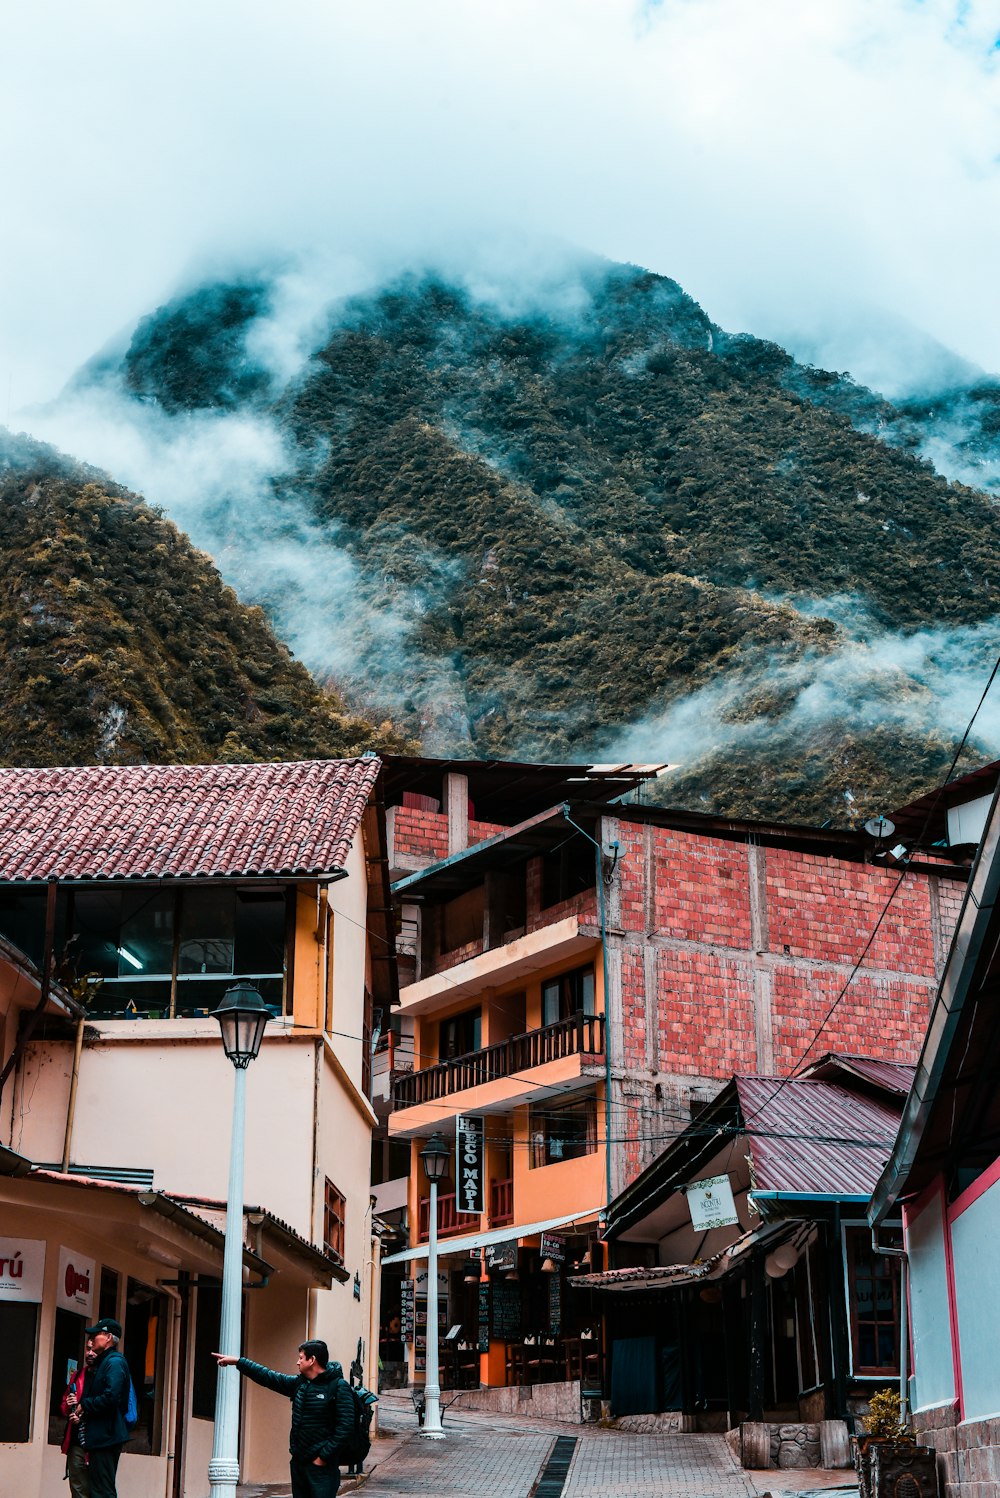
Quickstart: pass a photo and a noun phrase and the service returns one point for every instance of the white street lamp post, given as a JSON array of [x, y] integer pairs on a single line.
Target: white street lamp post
[[242, 1016], [436, 1158]]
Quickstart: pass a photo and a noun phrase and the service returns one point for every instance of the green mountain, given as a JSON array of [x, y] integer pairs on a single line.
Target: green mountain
[[121, 643], [607, 508]]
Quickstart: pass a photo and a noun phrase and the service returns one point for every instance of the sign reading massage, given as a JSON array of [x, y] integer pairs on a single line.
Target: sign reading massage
[[75, 1286], [22, 1269], [470, 1194], [710, 1203]]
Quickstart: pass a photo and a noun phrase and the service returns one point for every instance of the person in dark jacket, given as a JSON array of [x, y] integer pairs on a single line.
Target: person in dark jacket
[[322, 1415], [103, 1406]]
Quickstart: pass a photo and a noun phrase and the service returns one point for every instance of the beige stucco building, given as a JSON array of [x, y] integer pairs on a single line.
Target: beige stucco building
[[148, 891]]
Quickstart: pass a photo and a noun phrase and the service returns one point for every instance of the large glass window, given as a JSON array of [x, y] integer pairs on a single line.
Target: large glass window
[[18, 1335], [67, 1359], [568, 995], [563, 1133], [873, 1297], [461, 1034], [144, 1346]]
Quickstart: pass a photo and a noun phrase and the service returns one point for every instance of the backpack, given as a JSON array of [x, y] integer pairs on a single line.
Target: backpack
[[132, 1408], [358, 1445]]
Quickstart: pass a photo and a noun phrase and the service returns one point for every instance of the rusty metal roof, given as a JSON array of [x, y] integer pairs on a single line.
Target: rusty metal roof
[[181, 821], [891, 1076], [814, 1138]]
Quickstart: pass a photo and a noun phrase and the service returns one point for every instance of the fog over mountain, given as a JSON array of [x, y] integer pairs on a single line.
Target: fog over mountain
[[547, 507]]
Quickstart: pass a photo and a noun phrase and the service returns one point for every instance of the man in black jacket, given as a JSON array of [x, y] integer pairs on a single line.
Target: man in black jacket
[[103, 1407], [322, 1415]]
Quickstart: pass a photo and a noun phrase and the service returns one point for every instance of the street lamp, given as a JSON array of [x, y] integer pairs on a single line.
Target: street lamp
[[436, 1157], [242, 1015]]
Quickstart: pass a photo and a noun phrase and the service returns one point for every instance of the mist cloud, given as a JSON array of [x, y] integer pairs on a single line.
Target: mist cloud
[[785, 163]]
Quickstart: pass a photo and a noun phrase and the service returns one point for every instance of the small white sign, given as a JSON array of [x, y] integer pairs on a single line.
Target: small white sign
[[75, 1287], [22, 1269], [711, 1205]]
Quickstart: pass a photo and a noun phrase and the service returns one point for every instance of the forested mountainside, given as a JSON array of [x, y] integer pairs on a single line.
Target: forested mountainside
[[611, 511], [120, 642]]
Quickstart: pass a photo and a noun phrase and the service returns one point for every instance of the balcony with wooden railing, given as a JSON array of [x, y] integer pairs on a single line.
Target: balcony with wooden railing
[[580, 1035], [450, 1220], [501, 1203]]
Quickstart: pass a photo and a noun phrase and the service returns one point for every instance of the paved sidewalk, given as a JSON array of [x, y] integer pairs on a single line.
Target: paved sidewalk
[[491, 1456]]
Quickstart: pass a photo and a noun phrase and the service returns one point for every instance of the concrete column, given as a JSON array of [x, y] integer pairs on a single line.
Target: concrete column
[[763, 1009], [456, 800]]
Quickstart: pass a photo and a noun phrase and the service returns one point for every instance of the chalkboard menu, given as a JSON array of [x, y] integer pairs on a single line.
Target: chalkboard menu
[[555, 1304], [406, 1311], [484, 1318], [506, 1311]]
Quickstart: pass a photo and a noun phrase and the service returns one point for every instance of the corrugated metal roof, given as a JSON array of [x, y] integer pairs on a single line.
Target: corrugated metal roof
[[815, 1138], [893, 1076], [181, 821]]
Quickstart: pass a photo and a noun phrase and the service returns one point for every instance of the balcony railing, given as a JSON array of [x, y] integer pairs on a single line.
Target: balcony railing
[[580, 1035], [501, 1203], [450, 1221]]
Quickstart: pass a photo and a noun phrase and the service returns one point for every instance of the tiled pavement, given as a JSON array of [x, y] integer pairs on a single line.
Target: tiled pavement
[[488, 1456]]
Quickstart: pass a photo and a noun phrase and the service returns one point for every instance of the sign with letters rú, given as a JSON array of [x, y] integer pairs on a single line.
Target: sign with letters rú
[[75, 1286], [470, 1193], [22, 1269]]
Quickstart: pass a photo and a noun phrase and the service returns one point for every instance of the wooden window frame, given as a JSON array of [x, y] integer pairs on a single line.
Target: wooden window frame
[[334, 1222], [855, 1235]]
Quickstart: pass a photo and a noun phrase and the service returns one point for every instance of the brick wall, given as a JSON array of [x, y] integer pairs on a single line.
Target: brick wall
[[421, 837], [729, 957], [968, 1456]]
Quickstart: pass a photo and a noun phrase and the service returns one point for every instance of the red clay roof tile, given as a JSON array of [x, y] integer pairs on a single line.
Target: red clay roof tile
[[181, 821]]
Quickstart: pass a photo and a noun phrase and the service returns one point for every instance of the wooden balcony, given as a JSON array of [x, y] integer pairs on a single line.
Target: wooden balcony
[[580, 1035], [450, 1221], [501, 1203]]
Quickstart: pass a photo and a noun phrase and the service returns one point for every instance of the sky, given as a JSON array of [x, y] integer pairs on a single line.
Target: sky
[[810, 170]]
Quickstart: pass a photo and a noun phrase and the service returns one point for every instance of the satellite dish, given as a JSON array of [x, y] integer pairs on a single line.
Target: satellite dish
[[879, 828]]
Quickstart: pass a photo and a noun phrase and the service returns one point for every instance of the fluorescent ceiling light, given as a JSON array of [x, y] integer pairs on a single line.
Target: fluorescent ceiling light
[[129, 957]]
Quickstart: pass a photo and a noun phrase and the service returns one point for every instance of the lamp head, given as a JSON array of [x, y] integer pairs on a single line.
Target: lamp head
[[242, 1015], [436, 1157]]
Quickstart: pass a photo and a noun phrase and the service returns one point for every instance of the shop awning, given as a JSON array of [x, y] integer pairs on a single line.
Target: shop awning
[[470, 1241]]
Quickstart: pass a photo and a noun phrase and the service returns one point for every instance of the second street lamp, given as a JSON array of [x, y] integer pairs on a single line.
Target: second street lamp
[[242, 1015], [436, 1157]]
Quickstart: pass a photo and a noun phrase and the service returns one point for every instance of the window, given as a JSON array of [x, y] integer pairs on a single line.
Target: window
[[204, 1371], [873, 1301], [108, 1297], [567, 872], [568, 995], [460, 1035], [144, 1346], [67, 1358], [334, 1209], [18, 1333], [564, 1133]]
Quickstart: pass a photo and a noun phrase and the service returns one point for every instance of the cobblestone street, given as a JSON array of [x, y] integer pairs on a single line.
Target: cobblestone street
[[489, 1456]]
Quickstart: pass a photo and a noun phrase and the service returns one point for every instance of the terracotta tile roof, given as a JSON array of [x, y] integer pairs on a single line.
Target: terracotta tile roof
[[181, 821]]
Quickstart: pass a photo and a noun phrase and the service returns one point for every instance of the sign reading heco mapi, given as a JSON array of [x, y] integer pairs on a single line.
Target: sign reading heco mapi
[[470, 1194], [710, 1203]]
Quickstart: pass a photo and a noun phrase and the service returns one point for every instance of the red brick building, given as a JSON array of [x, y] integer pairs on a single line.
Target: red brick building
[[709, 947]]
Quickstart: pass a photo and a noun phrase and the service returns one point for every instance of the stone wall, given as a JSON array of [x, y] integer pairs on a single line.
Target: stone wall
[[543, 1401]]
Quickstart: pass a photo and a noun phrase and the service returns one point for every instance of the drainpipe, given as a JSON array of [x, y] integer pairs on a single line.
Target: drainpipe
[[71, 1105], [904, 1306], [602, 920]]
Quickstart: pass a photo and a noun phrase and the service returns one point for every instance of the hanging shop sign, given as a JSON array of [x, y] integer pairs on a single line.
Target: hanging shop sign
[[470, 1193], [22, 1269], [406, 1311], [553, 1247], [502, 1256], [710, 1203], [75, 1285]]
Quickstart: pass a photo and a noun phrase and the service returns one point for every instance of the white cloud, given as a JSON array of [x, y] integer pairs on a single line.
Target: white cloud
[[785, 160]]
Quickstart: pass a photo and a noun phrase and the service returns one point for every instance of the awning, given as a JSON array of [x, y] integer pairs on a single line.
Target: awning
[[470, 1241]]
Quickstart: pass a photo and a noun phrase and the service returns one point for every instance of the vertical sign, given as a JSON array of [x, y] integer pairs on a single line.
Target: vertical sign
[[406, 1311], [75, 1286], [22, 1269], [470, 1195]]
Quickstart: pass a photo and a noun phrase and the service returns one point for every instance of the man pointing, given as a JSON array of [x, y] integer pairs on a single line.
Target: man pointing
[[322, 1415]]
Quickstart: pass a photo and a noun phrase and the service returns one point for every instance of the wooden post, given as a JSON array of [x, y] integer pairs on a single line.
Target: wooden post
[[758, 1309]]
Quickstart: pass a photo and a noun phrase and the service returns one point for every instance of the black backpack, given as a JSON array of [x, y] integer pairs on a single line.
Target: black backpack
[[358, 1445]]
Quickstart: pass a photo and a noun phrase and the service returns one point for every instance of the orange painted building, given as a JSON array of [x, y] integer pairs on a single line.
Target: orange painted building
[[588, 1021]]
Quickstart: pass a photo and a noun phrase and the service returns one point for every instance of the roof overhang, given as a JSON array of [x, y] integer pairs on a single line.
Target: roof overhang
[[468, 1242], [962, 1022]]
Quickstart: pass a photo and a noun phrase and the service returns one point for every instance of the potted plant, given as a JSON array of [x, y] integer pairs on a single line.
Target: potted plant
[[886, 1451]]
